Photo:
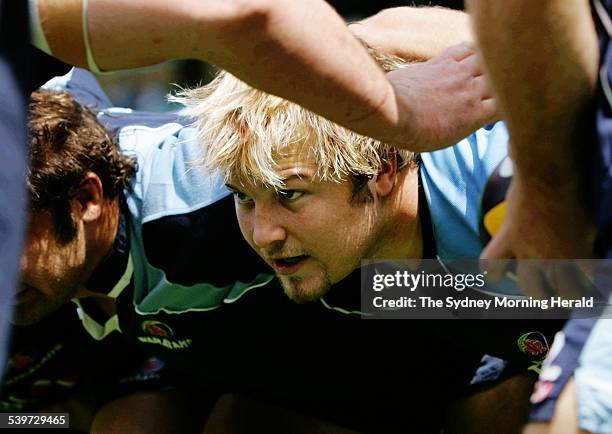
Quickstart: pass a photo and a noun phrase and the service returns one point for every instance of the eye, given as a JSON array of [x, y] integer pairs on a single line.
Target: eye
[[241, 197], [290, 195]]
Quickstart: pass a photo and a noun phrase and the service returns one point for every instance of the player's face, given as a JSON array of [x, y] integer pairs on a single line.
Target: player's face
[[312, 233], [51, 272]]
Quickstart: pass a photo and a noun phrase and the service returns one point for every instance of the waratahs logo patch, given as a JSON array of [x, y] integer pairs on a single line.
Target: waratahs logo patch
[[157, 329], [534, 345], [158, 333]]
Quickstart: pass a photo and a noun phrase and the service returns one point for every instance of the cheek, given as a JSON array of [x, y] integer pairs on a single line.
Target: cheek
[[347, 234], [245, 222], [328, 229], [32, 260]]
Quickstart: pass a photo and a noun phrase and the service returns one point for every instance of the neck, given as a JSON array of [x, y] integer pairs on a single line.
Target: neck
[[401, 235], [100, 237]]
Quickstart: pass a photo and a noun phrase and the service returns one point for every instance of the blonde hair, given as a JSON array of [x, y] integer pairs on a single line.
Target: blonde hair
[[244, 131]]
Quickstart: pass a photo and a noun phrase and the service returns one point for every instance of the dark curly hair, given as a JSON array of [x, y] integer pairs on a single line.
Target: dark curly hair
[[66, 142]]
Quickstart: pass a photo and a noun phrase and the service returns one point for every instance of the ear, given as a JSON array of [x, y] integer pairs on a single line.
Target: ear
[[385, 180], [90, 198]]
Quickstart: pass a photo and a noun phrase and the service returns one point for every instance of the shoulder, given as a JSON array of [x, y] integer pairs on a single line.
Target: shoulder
[[453, 181], [170, 178], [477, 154]]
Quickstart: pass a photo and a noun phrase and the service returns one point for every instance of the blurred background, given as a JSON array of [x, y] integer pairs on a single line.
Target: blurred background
[[146, 88]]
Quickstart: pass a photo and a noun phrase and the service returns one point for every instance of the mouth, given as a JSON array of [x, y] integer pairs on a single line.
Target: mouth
[[288, 265]]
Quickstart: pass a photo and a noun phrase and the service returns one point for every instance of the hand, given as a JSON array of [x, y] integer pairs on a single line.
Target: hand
[[544, 223], [441, 101]]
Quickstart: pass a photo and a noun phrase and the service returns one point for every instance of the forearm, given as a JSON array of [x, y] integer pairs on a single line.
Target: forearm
[[414, 33], [300, 50], [307, 54], [542, 64]]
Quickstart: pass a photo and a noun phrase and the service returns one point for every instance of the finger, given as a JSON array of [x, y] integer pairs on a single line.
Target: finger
[[482, 87], [489, 111], [568, 279], [472, 65], [531, 279], [495, 258], [460, 51]]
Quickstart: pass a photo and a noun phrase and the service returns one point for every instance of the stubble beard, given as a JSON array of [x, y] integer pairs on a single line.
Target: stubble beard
[[300, 290], [42, 304]]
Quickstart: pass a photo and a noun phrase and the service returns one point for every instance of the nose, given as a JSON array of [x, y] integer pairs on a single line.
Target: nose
[[267, 228]]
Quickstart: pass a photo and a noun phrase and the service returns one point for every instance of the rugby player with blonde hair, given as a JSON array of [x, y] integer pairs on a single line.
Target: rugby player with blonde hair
[[314, 200], [292, 169]]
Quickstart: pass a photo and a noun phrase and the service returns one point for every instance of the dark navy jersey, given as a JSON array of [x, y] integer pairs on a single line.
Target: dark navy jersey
[[582, 349], [56, 360]]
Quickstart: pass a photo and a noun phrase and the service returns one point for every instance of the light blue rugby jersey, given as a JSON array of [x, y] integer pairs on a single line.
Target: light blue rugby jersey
[[454, 179], [193, 217]]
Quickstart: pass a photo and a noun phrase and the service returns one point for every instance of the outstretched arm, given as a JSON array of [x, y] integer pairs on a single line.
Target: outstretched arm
[[542, 64], [302, 51]]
